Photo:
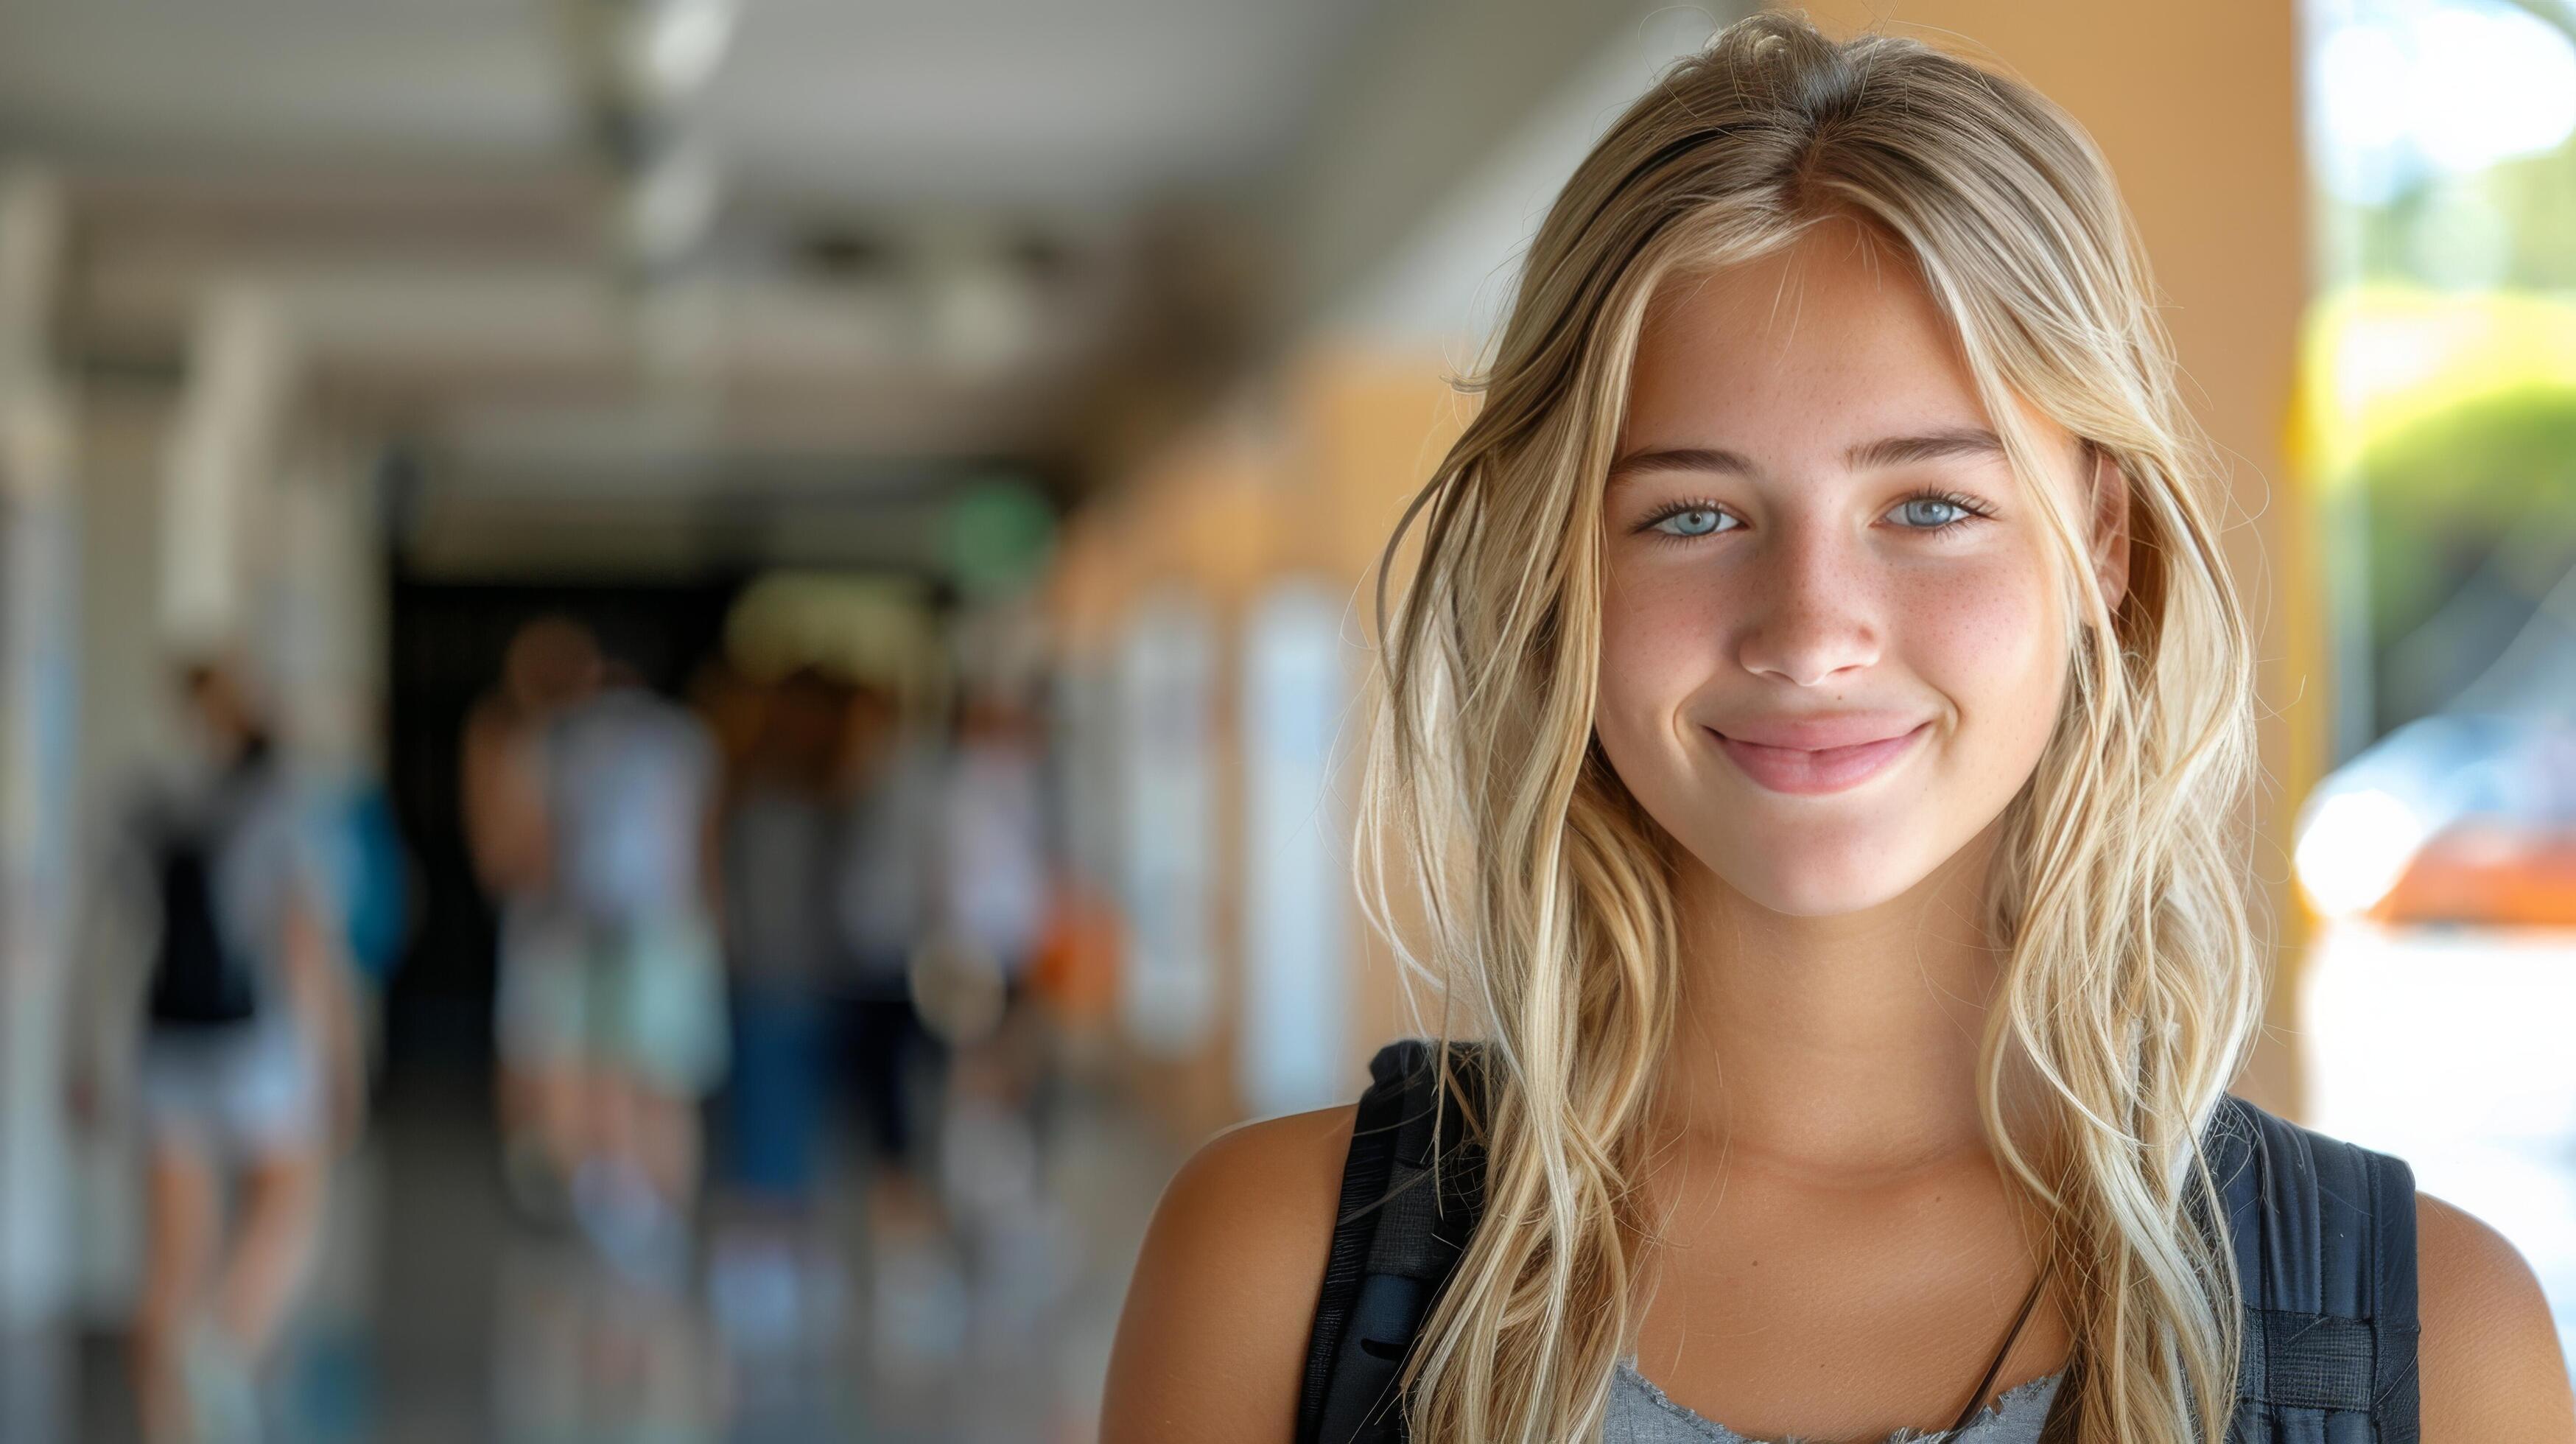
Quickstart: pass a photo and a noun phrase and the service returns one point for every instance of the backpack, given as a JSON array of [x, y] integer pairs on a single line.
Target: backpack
[[375, 881], [199, 979], [2323, 1233]]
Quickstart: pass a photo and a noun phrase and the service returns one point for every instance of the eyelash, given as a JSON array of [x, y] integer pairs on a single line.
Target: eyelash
[[1973, 509]]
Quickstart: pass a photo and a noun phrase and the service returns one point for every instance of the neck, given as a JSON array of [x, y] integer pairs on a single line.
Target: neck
[[1842, 1045]]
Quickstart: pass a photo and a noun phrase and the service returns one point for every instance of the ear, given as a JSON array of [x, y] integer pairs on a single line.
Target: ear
[[2110, 493]]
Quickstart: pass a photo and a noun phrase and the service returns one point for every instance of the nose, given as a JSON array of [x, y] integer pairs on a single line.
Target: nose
[[1813, 617]]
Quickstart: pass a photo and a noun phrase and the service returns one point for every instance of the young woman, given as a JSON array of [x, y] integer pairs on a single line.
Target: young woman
[[249, 1067], [1813, 740]]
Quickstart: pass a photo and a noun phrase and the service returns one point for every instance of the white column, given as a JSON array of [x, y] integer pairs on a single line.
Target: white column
[[38, 691], [319, 619], [217, 476]]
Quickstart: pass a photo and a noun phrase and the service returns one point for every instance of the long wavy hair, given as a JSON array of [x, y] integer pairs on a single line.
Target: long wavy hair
[[1534, 897]]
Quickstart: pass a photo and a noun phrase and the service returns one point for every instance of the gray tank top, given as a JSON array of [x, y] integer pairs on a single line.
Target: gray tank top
[[1641, 1414]]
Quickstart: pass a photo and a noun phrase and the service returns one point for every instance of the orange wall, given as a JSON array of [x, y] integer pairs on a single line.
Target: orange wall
[[1311, 486], [2196, 103]]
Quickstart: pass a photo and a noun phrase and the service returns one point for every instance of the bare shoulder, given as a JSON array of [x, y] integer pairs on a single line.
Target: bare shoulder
[[1212, 1344], [2490, 1358]]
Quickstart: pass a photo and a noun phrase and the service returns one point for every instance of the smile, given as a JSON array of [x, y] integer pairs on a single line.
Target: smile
[[1807, 771]]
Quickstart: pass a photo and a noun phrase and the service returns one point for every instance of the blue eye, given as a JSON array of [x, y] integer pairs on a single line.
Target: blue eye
[[1934, 512], [1931, 511], [1690, 521]]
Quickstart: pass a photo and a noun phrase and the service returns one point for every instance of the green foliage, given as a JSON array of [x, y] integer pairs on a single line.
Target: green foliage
[[2529, 202], [2537, 195], [2494, 476]]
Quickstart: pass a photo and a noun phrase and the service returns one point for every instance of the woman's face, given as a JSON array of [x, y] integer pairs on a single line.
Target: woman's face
[[1832, 646]]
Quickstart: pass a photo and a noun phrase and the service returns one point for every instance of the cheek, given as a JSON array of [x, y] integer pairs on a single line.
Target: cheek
[[1987, 637], [1659, 641]]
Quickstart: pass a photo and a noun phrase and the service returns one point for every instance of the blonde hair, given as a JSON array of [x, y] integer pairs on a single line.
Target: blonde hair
[[2132, 981]]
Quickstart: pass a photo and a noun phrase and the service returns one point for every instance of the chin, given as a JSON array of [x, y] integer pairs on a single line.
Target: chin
[[1813, 878], [1808, 896]]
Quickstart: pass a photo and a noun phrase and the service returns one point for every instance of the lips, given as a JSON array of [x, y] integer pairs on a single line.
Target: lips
[[1819, 754]]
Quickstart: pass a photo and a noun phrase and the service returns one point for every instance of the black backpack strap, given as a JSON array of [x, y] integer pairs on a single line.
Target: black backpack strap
[[1396, 1240], [2324, 1234]]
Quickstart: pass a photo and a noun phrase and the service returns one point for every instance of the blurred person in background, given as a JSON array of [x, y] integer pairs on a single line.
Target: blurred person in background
[[997, 899], [248, 1064], [771, 1278], [551, 666], [994, 891], [630, 806], [993, 877], [896, 1063]]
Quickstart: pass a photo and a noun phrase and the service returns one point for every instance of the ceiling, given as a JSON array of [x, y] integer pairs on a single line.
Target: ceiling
[[952, 231], [1084, 102]]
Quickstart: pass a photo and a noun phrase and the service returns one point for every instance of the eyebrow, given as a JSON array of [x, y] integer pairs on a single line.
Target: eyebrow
[[1886, 451]]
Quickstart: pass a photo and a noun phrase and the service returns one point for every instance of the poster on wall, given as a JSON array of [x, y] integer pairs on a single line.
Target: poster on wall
[[1166, 685], [1086, 742], [1296, 915]]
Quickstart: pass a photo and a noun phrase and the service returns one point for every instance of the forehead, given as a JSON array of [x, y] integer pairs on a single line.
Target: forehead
[[1803, 352]]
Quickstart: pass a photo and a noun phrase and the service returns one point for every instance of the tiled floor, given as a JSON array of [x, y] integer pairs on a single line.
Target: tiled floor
[[438, 1318]]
